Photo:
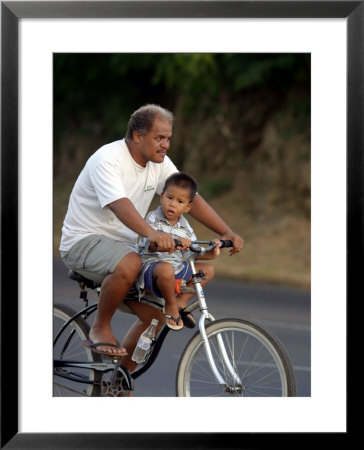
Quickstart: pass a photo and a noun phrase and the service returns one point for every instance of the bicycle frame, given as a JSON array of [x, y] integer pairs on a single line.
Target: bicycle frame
[[205, 315]]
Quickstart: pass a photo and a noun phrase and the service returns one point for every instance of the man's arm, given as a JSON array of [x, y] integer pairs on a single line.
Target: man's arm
[[205, 214], [125, 211]]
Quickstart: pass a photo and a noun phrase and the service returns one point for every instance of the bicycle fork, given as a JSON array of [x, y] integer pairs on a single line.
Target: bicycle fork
[[205, 315]]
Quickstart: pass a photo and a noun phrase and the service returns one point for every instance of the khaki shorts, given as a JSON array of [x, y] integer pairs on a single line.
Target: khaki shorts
[[96, 256]]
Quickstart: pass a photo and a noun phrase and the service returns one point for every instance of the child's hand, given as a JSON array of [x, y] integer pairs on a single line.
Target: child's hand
[[185, 243], [215, 252]]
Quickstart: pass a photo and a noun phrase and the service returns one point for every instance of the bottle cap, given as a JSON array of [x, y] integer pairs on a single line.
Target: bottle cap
[[155, 322]]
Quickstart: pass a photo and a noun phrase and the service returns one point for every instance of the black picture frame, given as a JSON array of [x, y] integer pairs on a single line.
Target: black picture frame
[[11, 13]]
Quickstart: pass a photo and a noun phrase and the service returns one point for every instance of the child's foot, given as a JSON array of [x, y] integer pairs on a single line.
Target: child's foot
[[174, 323], [187, 318]]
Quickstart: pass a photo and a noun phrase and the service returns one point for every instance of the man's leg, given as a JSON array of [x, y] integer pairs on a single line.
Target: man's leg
[[113, 290], [145, 315]]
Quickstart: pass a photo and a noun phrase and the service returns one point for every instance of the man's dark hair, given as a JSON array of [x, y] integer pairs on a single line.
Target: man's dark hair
[[143, 118], [182, 180]]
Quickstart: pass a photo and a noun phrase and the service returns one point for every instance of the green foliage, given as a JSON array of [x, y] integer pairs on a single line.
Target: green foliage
[[214, 188], [261, 70], [189, 74]]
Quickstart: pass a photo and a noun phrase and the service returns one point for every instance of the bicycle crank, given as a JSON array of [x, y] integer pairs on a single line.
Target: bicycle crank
[[118, 383]]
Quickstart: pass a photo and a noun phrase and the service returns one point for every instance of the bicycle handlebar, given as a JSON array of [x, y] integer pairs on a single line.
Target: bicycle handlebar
[[196, 245]]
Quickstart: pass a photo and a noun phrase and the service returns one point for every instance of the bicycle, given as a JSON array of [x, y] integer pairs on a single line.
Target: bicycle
[[225, 357]]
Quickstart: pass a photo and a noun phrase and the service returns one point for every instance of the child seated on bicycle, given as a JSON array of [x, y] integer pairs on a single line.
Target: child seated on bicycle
[[161, 272]]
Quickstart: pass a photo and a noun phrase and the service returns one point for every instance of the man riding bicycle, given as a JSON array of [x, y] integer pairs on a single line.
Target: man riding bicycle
[[106, 214]]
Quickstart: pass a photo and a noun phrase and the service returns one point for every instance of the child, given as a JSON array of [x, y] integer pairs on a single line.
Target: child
[[160, 269]]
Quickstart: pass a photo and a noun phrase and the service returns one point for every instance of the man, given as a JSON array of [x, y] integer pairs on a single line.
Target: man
[[106, 214]]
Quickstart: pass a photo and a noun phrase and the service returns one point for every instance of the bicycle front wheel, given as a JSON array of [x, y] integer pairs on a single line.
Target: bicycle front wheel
[[68, 381], [255, 363]]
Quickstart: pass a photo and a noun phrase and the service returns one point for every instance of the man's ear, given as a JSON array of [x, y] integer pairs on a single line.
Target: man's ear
[[136, 137]]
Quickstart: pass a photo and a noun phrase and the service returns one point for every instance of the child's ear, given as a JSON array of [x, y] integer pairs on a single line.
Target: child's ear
[[161, 197], [189, 207]]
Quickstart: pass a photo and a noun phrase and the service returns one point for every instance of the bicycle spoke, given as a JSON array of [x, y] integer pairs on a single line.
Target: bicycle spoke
[[230, 343], [206, 371]]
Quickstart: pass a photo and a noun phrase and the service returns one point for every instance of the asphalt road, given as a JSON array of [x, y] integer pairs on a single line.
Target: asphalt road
[[284, 311]]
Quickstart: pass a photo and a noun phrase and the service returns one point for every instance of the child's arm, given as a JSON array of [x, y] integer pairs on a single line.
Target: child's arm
[[212, 254]]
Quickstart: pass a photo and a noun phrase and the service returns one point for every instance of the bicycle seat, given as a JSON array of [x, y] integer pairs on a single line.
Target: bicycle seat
[[81, 279], [133, 293]]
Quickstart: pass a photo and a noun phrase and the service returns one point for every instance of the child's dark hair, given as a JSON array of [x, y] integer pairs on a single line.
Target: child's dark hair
[[182, 180]]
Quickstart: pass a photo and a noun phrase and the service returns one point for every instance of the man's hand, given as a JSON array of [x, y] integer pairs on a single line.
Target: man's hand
[[164, 241], [238, 241]]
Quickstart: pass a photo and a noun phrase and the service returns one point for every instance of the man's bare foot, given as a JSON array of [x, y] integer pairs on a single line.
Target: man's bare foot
[[105, 336]]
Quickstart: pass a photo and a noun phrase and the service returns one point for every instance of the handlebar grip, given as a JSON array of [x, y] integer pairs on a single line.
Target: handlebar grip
[[226, 243]]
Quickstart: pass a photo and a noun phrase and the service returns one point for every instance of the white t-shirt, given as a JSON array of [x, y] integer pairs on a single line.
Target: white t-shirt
[[110, 174]]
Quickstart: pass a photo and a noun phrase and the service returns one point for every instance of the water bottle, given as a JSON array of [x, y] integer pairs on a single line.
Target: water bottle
[[144, 342]]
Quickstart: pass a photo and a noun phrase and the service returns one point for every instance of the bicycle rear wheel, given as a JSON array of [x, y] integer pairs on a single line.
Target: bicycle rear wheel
[[256, 356], [69, 347]]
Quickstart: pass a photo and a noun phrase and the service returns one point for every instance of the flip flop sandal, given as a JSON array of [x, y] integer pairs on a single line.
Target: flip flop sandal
[[175, 319], [93, 347], [187, 319]]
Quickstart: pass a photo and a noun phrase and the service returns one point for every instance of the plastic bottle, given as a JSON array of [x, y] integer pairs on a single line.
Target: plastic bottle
[[144, 342]]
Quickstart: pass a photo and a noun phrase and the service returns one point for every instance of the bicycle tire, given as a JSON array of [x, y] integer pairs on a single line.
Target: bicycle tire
[[257, 355], [76, 332]]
